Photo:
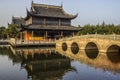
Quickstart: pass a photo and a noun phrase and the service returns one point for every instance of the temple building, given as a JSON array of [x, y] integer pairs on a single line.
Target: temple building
[[47, 22], [18, 20]]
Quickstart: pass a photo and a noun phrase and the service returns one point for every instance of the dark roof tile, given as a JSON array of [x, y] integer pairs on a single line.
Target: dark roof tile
[[43, 10], [18, 20], [52, 27]]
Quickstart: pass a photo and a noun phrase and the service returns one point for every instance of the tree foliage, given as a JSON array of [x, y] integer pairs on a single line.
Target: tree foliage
[[2, 33], [11, 31], [100, 29]]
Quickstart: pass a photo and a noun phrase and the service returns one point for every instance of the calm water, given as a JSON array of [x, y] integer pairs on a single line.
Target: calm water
[[49, 64]]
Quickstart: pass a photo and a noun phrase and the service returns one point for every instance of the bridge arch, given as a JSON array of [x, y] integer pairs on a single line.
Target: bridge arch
[[91, 50], [113, 53], [91, 46], [113, 48], [64, 46], [74, 47]]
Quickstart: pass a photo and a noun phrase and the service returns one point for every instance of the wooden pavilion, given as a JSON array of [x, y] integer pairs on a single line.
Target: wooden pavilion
[[47, 22]]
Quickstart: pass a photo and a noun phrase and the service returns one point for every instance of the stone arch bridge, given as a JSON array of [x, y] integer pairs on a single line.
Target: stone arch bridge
[[104, 43]]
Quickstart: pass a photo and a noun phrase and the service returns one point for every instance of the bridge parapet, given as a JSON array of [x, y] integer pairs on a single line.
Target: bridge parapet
[[96, 36], [103, 42], [111, 37]]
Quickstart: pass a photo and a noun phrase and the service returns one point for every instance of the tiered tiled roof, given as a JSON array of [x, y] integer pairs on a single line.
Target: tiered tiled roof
[[43, 10], [51, 27]]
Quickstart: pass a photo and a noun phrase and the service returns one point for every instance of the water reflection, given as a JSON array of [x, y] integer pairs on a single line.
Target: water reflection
[[6, 52], [42, 64], [96, 59], [92, 54], [113, 53], [114, 57], [49, 64]]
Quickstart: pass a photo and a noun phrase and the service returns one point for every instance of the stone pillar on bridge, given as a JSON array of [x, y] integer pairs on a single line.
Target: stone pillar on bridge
[[46, 34]]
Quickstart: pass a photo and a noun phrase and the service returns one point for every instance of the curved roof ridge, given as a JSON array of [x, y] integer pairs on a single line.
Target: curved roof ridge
[[46, 5], [69, 14], [17, 17], [44, 10]]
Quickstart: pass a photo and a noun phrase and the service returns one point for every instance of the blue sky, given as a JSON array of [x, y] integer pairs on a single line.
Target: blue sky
[[90, 11]]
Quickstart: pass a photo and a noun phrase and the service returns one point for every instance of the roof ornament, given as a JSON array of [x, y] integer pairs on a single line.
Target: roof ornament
[[12, 17], [33, 10], [76, 15], [61, 4], [32, 2], [27, 11]]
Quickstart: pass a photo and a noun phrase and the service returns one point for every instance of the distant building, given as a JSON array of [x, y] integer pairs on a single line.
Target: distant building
[[45, 22], [18, 20]]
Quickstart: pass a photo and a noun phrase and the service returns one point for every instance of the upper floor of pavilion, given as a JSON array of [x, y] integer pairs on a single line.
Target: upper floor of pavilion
[[44, 14]]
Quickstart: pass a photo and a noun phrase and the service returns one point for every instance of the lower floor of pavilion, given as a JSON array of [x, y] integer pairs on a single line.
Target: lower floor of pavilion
[[41, 35], [36, 32]]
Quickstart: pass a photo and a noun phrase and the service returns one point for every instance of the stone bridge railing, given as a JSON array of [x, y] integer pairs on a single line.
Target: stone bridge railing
[[97, 36], [103, 43]]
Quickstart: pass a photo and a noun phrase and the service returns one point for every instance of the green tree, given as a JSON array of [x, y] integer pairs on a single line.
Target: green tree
[[12, 30], [100, 29], [2, 28]]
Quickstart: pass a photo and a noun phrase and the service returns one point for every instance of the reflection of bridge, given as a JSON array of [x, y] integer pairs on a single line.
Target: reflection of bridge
[[104, 43], [100, 51], [95, 59]]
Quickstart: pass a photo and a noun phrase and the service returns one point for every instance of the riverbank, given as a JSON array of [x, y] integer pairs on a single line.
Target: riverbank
[[27, 43]]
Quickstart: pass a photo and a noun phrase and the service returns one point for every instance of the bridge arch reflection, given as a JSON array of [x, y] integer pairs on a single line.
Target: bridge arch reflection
[[113, 48], [113, 53], [92, 54]]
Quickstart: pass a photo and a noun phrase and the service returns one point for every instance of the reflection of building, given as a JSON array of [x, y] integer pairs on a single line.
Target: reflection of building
[[47, 22], [44, 64], [48, 69], [32, 52]]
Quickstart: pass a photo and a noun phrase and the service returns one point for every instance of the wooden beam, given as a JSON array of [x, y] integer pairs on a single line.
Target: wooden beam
[[59, 22], [46, 34], [21, 36], [32, 35], [44, 21]]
